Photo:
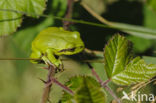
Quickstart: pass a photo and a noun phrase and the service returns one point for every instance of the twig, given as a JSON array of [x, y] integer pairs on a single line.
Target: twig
[[53, 80], [68, 14], [20, 59], [94, 14], [45, 96], [82, 22], [96, 75], [11, 19], [92, 68], [58, 18], [109, 24], [63, 59], [105, 83], [112, 93]]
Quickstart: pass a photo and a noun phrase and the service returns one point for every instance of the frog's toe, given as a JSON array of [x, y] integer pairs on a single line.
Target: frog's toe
[[61, 67], [58, 63]]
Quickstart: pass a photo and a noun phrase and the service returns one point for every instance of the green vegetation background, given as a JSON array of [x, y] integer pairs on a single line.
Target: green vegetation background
[[19, 80]]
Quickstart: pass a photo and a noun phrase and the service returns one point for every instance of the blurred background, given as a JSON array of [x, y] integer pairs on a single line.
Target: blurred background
[[19, 80]]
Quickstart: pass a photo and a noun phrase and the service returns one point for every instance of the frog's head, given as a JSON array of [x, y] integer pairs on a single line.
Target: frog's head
[[74, 45]]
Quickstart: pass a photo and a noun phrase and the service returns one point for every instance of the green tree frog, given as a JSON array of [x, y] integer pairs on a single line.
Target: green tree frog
[[54, 42]]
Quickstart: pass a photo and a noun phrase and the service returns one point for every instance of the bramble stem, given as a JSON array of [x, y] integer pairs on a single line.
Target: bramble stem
[[105, 82], [51, 73], [63, 86], [96, 75], [94, 14], [112, 93]]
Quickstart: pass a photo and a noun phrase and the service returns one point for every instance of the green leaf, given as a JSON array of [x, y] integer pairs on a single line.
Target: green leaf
[[135, 30], [152, 4], [120, 67], [9, 26], [140, 47], [11, 20], [62, 4], [149, 59], [90, 92], [136, 71], [25, 43], [33, 7], [117, 54], [149, 17], [87, 90], [98, 6]]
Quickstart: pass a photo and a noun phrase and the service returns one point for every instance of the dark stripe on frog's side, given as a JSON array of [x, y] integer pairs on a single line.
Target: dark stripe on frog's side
[[70, 49]]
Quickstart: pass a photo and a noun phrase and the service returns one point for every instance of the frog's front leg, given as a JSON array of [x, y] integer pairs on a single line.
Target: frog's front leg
[[50, 57]]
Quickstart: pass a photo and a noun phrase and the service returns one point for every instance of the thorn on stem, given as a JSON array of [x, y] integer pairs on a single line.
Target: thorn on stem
[[42, 80], [49, 101], [45, 68]]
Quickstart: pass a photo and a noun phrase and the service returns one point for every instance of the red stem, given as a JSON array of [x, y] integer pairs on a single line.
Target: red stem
[[112, 93], [63, 86], [105, 83], [96, 75]]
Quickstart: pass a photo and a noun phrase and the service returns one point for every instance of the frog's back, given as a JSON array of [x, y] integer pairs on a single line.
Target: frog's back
[[53, 37]]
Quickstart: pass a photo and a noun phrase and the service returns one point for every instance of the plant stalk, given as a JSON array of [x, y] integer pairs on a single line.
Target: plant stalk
[[68, 15], [45, 96], [112, 93]]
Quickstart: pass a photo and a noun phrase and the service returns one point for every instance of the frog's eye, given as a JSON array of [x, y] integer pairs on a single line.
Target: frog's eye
[[76, 34]]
